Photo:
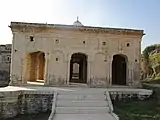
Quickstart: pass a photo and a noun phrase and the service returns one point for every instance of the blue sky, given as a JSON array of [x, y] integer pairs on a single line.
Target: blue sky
[[139, 14]]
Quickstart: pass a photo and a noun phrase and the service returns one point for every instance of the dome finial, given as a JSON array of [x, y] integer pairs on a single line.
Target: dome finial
[[77, 18], [77, 22]]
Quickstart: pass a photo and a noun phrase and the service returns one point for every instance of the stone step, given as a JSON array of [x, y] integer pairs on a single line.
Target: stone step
[[68, 103], [81, 97], [78, 85], [106, 116], [82, 110], [82, 92]]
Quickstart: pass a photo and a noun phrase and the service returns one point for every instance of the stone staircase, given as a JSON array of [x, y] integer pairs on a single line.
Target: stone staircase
[[82, 105]]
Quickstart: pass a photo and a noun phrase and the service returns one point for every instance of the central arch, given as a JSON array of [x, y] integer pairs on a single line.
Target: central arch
[[119, 69], [78, 68]]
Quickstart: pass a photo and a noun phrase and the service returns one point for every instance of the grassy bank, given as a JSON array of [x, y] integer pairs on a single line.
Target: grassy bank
[[138, 110], [155, 80]]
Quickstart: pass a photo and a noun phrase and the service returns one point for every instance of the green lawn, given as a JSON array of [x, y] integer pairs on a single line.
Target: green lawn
[[138, 110], [155, 80]]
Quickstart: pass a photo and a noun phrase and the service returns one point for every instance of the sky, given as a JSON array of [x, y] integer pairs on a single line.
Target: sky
[[137, 14]]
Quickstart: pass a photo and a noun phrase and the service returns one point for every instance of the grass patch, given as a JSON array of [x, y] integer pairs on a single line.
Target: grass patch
[[138, 110], [155, 80]]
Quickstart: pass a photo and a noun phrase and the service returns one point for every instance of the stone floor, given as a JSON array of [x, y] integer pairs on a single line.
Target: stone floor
[[43, 88]]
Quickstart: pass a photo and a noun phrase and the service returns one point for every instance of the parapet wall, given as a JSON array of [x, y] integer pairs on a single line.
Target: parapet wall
[[18, 102]]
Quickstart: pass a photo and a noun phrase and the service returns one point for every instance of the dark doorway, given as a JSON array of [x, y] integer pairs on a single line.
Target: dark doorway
[[78, 68], [119, 70]]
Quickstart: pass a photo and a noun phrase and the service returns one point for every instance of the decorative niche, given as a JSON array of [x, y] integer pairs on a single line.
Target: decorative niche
[[128, 44], [104, 43], [57, 59], [31, 38], [135, 60], [56, 41]]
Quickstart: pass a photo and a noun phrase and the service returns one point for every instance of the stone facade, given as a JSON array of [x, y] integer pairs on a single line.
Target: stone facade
[[46, 51], [5, 61]]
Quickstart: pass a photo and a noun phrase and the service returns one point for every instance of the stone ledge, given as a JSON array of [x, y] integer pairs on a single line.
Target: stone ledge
[[26, 25]]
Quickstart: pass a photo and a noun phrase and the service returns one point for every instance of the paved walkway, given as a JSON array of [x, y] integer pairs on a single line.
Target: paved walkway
[[44, 88]]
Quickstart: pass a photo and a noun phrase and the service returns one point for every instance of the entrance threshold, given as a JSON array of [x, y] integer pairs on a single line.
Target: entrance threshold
[[122, 86], [72, 84]]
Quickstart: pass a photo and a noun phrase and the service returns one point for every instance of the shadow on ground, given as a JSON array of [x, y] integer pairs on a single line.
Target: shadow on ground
[[40, 116]]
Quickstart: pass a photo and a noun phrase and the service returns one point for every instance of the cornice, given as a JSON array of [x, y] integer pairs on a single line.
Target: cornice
[[40, 27]]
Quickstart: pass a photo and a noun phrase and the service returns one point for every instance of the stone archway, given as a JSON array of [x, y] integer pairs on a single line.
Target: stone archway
[[78, 68], [119, 70], [35, 66]]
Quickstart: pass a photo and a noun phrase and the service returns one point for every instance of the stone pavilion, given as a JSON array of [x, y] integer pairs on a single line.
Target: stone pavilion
[[63, 55]]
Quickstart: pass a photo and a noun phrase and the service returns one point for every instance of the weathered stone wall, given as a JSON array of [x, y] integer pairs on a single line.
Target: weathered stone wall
[[59, 43], [14, 103], [5, 61]]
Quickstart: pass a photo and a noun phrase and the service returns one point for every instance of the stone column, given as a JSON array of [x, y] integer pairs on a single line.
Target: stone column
[[110, 71], [68, 68], [136, 75], [129, 77], [46, 69], [89, 61]]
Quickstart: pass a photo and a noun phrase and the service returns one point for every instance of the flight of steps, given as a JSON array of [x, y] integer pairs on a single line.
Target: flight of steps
[[82, 105]]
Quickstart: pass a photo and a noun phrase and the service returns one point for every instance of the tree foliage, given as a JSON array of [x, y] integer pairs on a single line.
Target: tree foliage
[[148, 50], [151, 59]]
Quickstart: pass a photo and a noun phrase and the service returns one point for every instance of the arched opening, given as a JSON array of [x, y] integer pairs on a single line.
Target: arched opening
[[78, 68], [119, 67], [36, 66]]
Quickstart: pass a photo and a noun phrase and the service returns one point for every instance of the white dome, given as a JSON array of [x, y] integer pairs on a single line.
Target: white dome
[[77, 23]]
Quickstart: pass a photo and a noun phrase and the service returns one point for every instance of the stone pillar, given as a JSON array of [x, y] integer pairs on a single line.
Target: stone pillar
[[136, 75], [110, 71], [129, 77], [89, 77], [68, 68], [46, 69]]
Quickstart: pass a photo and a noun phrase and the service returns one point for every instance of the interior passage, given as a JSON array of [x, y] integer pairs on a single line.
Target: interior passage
[[78, 68]]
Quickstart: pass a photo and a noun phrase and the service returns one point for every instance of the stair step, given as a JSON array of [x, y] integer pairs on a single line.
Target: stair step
[[66, 103], [82, 110], [82, 92], [82, 97], [106, 116]]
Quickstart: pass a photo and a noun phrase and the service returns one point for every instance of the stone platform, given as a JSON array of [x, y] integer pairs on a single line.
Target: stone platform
[[33, 99], [114, 91]]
